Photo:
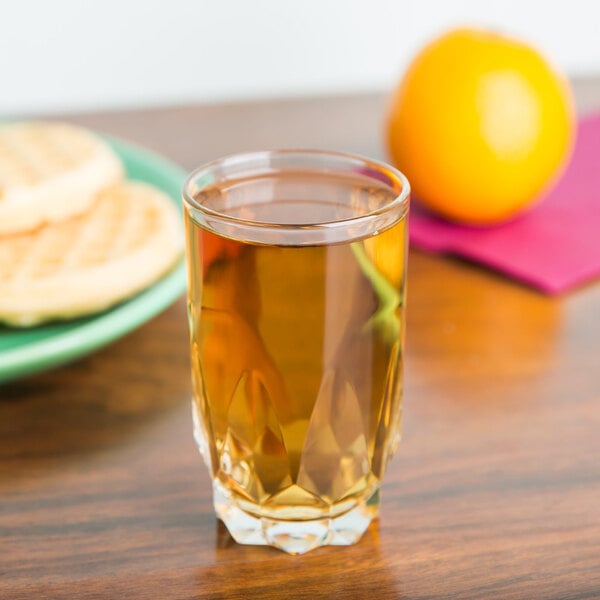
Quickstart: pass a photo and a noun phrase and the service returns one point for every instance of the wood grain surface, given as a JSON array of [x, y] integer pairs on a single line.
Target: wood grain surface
[[494, 492]]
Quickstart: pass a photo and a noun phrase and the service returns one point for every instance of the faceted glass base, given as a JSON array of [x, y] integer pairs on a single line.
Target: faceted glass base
[[294, 537]]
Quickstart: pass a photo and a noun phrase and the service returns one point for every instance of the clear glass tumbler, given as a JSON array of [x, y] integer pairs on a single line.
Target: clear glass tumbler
[[297, 270]]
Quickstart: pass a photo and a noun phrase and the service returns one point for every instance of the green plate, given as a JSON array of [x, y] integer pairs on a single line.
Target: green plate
[[28, 351]]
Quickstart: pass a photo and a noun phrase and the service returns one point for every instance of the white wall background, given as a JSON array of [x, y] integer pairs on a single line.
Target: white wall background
[[78, 55]]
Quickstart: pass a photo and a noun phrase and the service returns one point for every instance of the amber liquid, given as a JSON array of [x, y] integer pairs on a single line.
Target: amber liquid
[[297, 358]]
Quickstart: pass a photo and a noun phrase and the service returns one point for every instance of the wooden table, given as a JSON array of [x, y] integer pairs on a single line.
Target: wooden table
[[495, 490]]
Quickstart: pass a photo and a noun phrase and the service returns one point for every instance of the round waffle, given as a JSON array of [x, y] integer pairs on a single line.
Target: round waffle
[[128, 239], [49, 172]]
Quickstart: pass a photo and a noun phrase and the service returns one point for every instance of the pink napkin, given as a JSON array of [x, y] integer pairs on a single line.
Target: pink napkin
[[553, 247]]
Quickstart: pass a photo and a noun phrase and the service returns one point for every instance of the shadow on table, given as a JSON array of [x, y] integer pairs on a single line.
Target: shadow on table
[[357, 571], [93, 405]]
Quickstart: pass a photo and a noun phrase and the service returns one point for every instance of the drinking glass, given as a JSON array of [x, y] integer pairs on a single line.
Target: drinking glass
[[296, 272]]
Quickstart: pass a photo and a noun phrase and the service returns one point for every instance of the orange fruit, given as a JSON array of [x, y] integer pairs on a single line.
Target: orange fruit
[[480, 124]]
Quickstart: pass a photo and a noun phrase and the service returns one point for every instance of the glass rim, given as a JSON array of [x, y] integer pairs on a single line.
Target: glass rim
[[400, 201]]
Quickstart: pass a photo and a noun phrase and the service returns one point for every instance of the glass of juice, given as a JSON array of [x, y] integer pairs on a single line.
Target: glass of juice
[[297, 272]]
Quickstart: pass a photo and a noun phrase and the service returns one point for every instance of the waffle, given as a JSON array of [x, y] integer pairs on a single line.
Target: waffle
[[50, 172], [130, 237]]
